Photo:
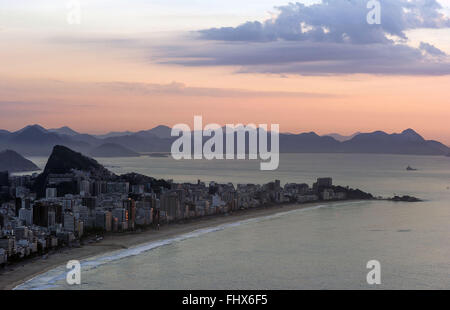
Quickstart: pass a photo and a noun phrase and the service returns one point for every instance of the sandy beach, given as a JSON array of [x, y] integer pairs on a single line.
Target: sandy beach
[[13, 275]]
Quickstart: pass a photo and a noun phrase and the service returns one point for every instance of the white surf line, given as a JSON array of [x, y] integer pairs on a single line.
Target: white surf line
[[51, 277]]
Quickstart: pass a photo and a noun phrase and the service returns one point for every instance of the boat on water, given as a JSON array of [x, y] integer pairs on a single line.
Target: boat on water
[[409, 168]]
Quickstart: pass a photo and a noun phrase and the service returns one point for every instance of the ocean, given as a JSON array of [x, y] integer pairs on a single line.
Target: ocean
[[321, 247]]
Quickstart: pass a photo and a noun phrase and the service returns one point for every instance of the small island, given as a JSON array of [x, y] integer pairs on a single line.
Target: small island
[[405, 198], [12, 161]]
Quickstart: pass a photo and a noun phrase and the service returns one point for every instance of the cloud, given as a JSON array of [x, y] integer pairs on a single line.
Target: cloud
[[431, 49], [20, 108], [336, 21], [96, 40], [312, 58], [328, 38], [181, 89]]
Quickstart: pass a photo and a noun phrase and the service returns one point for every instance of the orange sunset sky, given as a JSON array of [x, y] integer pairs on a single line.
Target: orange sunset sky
[[135, 65]]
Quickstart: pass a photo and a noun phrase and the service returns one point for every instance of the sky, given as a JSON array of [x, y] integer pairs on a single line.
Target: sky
[[307, 65]]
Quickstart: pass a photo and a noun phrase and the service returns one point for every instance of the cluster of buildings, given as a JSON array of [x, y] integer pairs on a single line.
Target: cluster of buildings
[[78, 204]]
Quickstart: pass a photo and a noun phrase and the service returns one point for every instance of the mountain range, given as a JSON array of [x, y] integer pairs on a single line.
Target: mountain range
[[34, 140], [342, 138], [112, 150]]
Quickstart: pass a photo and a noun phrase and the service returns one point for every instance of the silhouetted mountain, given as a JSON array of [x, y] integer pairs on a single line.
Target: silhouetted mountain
[[438, 146], [409, 135], [35, 140], [341, 138], [12, 161], [64, 160], [307, 143], [142, 143], [64, 131], [35, 127], [161, 131], [112, 150], [408, 142], [88, 140], [115, 134]]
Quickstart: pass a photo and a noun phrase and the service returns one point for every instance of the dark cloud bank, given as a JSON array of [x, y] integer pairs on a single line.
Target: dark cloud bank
[[329, 38]]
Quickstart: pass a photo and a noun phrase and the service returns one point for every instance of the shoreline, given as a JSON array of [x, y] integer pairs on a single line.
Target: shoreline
[[17, 274]]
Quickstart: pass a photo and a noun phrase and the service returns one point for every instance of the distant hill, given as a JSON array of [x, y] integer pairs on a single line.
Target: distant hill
[[307, 143], [407, 142], [63, 160], [64, 131], [112, 150], [31, 127], [35, 140], [12, 161], [341, 138], [161, 131], [142, 143], [115, 134]]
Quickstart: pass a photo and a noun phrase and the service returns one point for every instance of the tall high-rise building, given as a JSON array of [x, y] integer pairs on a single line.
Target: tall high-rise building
[[322, 183], [170, 204], [69, 222], [130, 205], [103, 220], [85, 188], [47, 214], [4, 178], [26, 216], [51, 192], [90, 202], [99, 187]]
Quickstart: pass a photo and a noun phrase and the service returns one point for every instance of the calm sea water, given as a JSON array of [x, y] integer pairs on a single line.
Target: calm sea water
[[324, 247]]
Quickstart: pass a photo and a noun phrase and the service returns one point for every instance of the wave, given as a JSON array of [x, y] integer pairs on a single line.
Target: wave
[[51, 278]]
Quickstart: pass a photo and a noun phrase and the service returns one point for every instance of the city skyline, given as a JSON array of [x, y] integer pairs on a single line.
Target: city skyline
[[214, 145]]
